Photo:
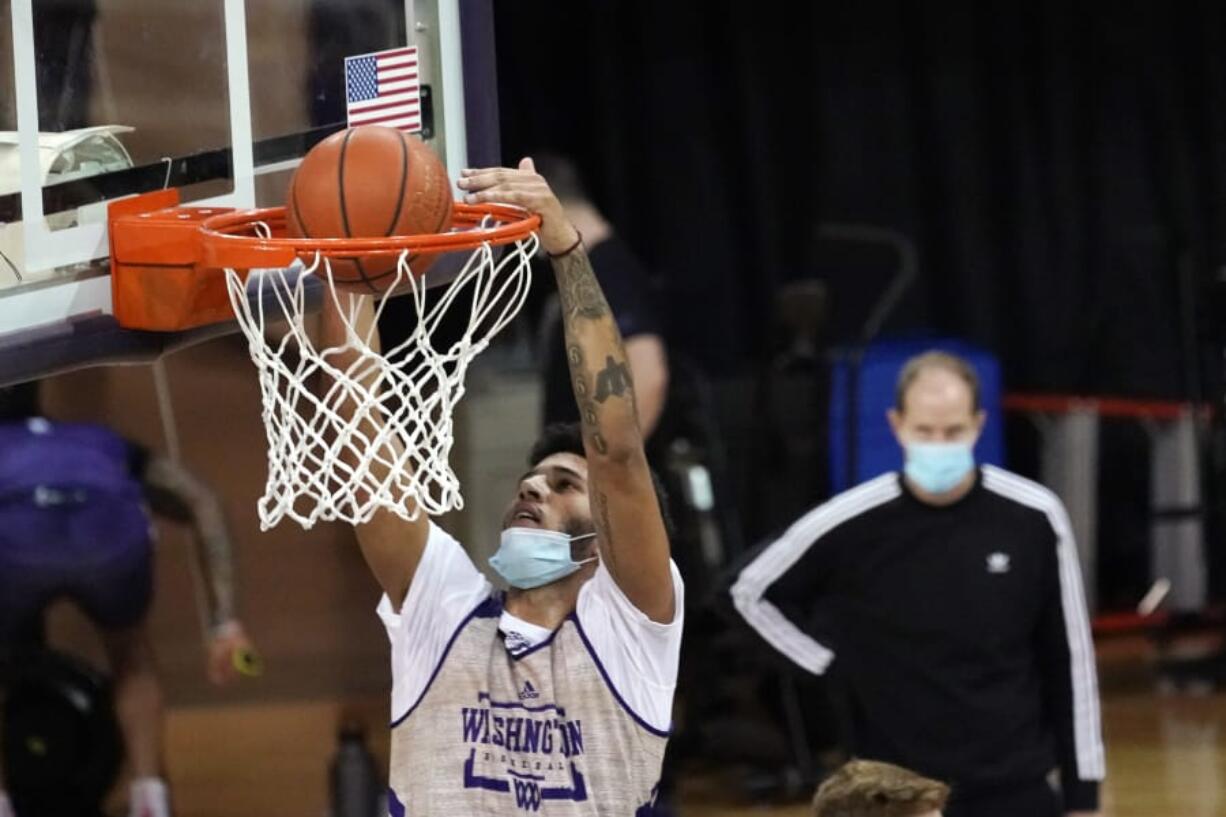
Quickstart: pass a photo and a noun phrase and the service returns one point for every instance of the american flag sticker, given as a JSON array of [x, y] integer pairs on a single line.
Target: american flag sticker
[[384, 88]]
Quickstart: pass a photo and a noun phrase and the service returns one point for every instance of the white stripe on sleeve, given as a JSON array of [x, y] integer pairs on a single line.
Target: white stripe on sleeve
[[1087, 721], [748, 593]]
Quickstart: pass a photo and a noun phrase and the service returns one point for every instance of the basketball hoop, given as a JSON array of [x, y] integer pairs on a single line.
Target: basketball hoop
[[393, 453]]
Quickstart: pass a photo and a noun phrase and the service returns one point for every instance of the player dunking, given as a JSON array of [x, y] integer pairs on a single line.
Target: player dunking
[[554, 698]]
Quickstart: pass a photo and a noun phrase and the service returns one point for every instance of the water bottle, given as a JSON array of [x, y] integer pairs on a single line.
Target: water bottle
[[356, 789]]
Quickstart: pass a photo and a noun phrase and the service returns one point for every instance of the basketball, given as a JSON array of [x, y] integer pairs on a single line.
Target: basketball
[[369, 182]]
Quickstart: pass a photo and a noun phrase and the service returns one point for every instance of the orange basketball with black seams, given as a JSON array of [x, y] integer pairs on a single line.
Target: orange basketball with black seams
[[369, 182]]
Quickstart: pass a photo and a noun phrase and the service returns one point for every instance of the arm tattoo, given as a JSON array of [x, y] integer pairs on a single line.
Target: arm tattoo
[[614, 380], [590, 331], [174, 492], [578, 288], [601, 504], [216, 561], [587, 406]]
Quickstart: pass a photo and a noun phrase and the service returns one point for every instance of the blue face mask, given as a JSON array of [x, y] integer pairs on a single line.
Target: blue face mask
[[528, 557], [938, 467]]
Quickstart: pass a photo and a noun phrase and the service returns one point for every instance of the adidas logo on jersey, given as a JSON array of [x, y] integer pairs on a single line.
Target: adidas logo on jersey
[[528, 692]]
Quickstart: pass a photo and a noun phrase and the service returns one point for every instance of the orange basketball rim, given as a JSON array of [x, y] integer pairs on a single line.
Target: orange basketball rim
[[167, 260]]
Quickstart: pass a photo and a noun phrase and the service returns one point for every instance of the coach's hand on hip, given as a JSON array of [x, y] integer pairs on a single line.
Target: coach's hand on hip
[[525, 188]]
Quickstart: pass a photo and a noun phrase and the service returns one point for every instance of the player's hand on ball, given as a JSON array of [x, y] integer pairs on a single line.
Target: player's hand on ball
[[231, 655], [525, 188]]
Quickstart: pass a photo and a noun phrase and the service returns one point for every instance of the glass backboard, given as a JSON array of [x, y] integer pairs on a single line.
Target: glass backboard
[[104, 99]]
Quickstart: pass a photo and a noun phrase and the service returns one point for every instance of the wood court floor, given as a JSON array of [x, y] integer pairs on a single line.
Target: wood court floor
[[1166, 756]]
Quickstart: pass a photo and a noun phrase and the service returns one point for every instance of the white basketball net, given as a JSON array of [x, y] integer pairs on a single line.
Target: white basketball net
[[376, 434]]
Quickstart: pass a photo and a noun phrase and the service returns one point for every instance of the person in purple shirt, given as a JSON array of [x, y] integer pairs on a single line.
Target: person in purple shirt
[[74, 523]]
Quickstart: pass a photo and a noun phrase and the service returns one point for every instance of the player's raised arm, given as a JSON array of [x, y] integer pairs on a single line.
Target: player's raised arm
[[626, 513], [391, 545]]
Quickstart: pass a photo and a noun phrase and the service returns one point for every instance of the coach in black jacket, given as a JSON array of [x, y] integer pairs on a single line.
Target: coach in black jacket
[[948, 599]]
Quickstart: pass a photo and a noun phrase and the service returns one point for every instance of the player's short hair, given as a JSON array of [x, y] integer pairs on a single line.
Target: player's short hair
[[868, 788], [919, 364], [567, 438]]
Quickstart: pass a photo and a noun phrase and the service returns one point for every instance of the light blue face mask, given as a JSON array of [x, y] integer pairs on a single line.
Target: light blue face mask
[[528, 557], [938, 467]]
